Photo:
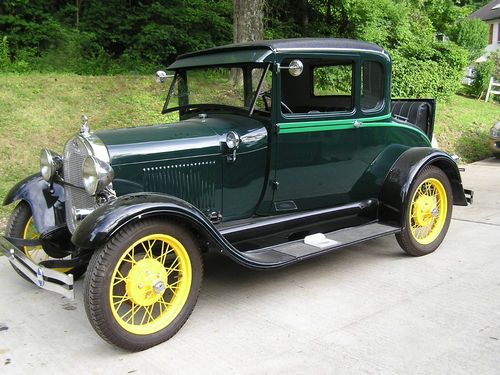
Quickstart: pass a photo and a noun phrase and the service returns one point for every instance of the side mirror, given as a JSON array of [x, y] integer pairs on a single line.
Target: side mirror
[[161, 76], [295, 68]]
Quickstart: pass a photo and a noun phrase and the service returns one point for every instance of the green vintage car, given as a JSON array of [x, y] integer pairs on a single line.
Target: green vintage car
[[284, 150]]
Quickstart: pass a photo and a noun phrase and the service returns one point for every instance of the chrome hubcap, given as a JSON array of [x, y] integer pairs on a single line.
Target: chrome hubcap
[[159, 287]]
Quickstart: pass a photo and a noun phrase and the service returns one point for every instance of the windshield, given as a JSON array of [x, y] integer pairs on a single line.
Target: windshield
[[234, 86]]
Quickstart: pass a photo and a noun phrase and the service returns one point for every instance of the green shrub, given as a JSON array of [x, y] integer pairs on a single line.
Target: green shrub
[[422, 66], [25, 61], [495, 58], [482, 78], [4, 54], [436, 76], [471, 35]]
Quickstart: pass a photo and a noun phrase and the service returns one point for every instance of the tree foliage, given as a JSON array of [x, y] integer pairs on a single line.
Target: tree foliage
[[422, 65], [114, 36], [471, 35]]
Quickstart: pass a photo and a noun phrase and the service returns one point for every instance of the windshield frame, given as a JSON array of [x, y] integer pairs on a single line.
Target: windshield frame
[[185, 108]]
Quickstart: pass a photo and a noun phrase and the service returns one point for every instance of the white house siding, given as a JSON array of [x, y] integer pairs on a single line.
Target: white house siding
[[495, 43]]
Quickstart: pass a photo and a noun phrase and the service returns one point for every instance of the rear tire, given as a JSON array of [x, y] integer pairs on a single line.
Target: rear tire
[[143, 284], [428, 213]]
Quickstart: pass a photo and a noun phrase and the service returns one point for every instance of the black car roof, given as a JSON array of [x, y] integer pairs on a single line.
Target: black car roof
[[302, 44], [265, 50]]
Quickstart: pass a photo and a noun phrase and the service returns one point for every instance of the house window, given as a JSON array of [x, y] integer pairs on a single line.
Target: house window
[[490, 34]]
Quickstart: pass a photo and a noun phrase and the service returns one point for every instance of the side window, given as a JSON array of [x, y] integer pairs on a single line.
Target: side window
[[333, 80], [372, 88], [325, 86], [333, 85]]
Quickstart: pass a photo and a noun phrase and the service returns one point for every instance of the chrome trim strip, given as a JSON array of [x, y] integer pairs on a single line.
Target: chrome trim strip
[[39, 275], [318, 49]]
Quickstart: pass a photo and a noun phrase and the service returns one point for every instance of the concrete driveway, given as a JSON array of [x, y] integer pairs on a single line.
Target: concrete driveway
[[367, 308]]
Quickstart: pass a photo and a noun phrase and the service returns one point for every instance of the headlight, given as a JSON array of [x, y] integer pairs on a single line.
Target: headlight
[[50, 163], [96, 175], [495, 131], [232, 140]]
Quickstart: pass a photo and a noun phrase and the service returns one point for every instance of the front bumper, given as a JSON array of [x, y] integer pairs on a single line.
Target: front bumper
[[43, 277]]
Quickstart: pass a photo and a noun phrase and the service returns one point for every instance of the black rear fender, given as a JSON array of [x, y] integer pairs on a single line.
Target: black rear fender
[[46, 201], [399, 181]]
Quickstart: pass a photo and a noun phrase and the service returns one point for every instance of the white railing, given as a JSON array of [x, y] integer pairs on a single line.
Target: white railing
[[490, 89]]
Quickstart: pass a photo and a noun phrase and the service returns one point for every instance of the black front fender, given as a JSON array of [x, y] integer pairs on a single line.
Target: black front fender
[[398, 183], [102, 223], [46, 201]]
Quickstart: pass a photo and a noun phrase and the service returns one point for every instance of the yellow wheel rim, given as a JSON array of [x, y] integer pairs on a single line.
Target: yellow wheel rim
[[36, 253], [428, 211], [150, 284]]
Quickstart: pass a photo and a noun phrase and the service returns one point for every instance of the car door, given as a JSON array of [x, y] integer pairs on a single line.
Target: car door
[[325, 143]]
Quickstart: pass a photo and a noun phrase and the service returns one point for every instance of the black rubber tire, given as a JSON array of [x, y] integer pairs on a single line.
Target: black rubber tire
[[405, 238], [98, 279], [16, 224], [15, 228]]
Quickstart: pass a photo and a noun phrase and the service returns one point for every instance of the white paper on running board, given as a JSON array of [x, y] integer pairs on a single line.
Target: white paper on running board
[[320, 240]]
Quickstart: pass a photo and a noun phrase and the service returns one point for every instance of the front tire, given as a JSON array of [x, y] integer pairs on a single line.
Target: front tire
[[142, 285], [428, 213]]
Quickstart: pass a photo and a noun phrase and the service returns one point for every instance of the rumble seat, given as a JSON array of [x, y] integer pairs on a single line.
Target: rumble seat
[[415, 112]]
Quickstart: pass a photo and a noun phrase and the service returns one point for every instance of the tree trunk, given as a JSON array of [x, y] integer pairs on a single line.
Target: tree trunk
[[248, 25], [78, 10], [248, 20]]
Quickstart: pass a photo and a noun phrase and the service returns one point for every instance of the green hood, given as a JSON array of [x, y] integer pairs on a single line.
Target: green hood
[[188, 138]]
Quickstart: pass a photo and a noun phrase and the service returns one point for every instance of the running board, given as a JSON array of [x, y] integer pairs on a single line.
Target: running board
[[291, 252]]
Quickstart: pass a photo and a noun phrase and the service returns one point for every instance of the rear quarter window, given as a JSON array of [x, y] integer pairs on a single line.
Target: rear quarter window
[[372, 88]]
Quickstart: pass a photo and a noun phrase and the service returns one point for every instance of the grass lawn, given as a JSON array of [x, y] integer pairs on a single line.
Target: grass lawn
[[39, 111], [44, 110], [462, 127]]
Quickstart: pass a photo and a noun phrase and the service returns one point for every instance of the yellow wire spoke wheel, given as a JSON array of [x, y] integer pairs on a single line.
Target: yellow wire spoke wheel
[[428, 211], [150, 284], [35, 253], [142, 284]]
